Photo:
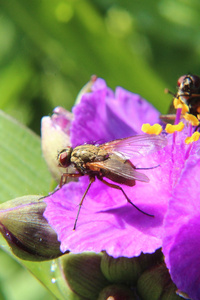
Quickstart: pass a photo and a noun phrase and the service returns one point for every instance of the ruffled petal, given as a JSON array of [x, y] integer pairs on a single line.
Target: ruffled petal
[[182, 231]]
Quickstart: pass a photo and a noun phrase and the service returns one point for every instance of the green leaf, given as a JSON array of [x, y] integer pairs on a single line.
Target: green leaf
[[46, 272], [23, 170]]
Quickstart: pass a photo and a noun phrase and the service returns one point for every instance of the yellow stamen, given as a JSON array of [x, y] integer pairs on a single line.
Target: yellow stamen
[[192, 119], [172, 128], [193, 138], [154, 129], [179, 104]]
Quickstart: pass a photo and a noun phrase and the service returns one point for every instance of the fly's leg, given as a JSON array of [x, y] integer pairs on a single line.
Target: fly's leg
[[115, 186], [63, 179], [92, 179]]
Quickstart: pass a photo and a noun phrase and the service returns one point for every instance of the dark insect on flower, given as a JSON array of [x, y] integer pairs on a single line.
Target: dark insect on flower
[[189, 92], [109, 160]]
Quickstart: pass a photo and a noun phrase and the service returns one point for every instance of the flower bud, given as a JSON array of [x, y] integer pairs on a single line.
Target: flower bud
[[128, 270], [26, 231], [117, 292], [83, 274], [55, 136], [156, 284], [170, 293], [121, 269]]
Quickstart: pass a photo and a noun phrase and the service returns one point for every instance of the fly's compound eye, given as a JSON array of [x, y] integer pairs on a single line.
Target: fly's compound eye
[[181, 80], [64, 157]]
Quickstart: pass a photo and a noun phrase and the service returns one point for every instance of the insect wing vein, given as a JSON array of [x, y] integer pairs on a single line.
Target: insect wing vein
[[136, 146]]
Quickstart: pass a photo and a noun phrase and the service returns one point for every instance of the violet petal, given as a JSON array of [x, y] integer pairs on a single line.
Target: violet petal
[[182, 231]]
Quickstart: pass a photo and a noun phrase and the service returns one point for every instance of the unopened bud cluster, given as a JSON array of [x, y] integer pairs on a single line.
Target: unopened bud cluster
[[102, 277]]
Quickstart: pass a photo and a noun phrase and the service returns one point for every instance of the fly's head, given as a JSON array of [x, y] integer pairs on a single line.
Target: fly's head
[[188, 85], [64, 157]]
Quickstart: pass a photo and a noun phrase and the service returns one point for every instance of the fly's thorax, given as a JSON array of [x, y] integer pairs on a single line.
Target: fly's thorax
[[87, 153]]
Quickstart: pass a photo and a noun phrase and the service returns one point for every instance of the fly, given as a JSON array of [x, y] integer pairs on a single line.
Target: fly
[[109, 160], [188, 91]]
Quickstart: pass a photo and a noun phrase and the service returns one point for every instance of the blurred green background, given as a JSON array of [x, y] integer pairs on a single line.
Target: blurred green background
[[50, 48]]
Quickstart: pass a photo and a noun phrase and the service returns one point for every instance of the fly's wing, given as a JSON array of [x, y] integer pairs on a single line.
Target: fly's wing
[[118, 168], [135, 146]]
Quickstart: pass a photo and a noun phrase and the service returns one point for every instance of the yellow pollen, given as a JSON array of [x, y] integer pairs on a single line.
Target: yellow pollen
[[172, 128], [191, 119], [154, 129], [193, 138], [179, 104]]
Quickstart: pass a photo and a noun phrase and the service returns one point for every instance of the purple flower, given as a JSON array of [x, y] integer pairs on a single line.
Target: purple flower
[[181, 242], [103, 115], [106, 221]]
